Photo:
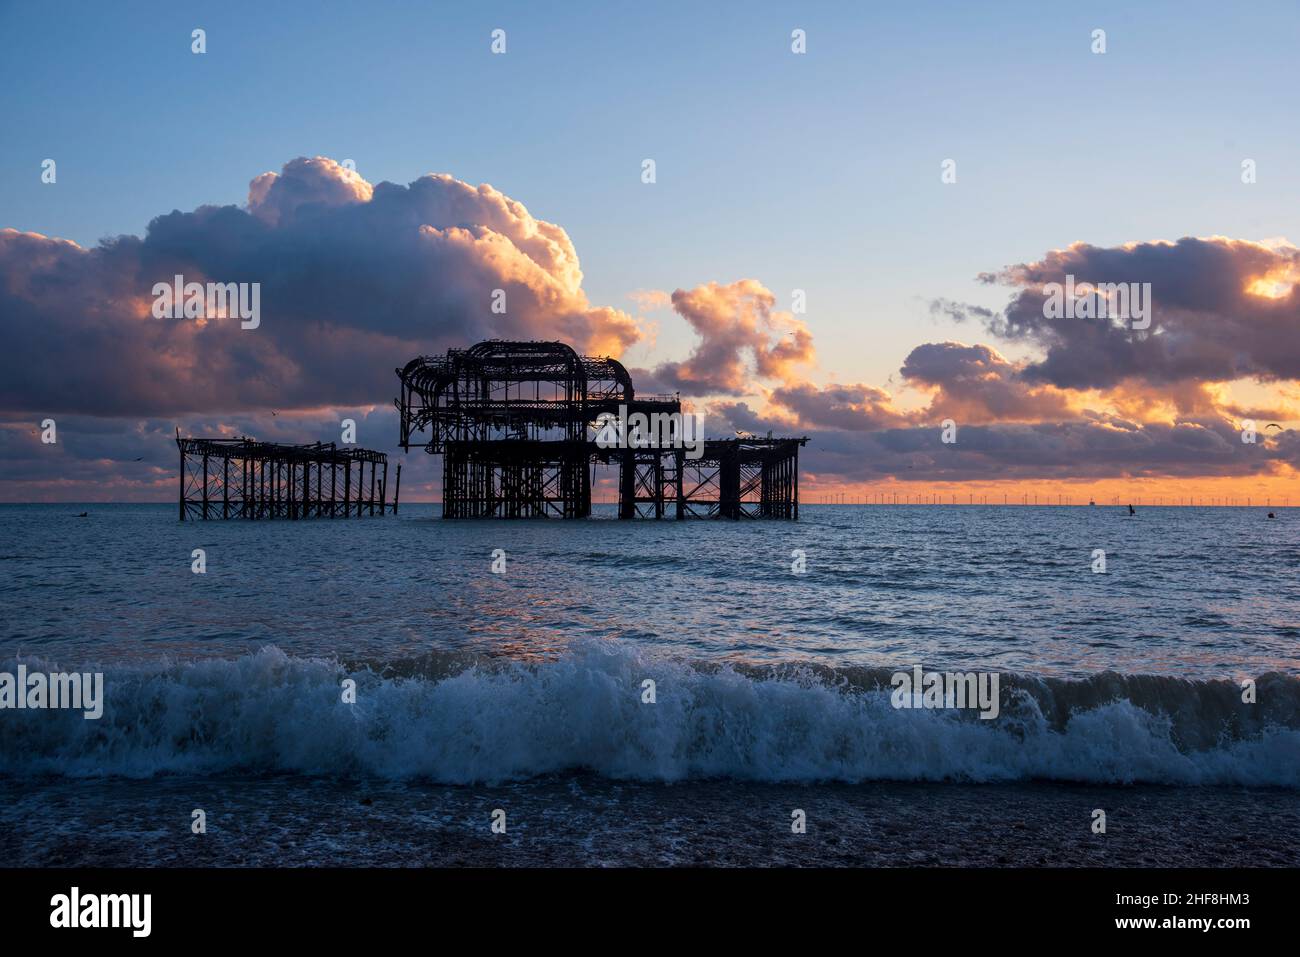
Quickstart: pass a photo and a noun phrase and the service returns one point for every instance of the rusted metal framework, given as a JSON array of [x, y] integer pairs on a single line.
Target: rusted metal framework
[[515, 423], [743, 478], [244, 478]]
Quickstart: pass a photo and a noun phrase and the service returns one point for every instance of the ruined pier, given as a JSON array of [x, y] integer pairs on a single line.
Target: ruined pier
[[517, 426], [244, 478]]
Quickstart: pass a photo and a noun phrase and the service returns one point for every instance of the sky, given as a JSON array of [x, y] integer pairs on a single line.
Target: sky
[[775, 171]]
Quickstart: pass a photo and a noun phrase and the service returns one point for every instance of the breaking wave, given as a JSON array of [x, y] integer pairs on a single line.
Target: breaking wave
[[455, 721]]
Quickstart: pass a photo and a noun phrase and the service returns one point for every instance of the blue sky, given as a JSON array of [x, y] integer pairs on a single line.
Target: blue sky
[[818, 172]]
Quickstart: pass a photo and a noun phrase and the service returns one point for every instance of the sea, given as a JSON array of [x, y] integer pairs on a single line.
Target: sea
[[408, 691]]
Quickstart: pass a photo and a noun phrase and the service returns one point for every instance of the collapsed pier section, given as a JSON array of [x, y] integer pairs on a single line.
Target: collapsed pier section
[[244, 478], [732, 478]]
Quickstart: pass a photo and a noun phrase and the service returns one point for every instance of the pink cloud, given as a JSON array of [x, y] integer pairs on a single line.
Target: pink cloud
[[355, 279]]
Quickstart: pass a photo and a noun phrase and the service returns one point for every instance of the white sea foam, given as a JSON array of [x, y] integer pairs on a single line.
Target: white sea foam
[[271, 712]]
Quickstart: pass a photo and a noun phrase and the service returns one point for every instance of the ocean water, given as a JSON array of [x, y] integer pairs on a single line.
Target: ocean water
[[771, 687]]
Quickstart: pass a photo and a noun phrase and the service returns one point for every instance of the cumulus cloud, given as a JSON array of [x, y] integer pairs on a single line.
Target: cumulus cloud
[[1222, 309], [742, 337], [355, 279], [304, 182], [855, 407], [977, 384]]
